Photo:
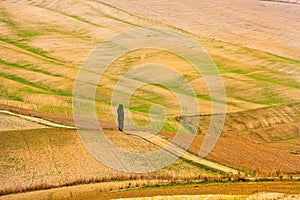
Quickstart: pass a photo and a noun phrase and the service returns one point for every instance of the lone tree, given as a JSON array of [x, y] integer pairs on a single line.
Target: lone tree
[[120, 117]]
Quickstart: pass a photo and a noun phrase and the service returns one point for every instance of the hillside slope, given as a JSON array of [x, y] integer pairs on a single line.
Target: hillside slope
[[42, 52], [265, 140], [43, 43], [266, 26], [45, 158]]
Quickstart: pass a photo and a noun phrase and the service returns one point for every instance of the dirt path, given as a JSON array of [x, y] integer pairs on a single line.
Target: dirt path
[[157, 140], [11, 123], [180, 152], [37, 120]]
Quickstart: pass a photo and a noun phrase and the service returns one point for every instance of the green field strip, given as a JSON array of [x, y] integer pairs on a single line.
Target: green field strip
[[255, 53], [79, 35], [264, 78], [270, 99], [270, 96], [28, 68], [72, 16], [35, 51], [5, 94], [35, 85], [274, 81], [121, 20], [25, 34], [5, 18]]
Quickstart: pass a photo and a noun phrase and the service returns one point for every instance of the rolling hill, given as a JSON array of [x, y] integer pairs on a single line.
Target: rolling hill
[[254, 44]]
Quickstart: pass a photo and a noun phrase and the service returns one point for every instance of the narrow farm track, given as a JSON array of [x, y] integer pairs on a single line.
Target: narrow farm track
[[157, 140], [37, 120]]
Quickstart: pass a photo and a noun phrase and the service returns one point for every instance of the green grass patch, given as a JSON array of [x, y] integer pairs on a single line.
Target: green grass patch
[[36, 51], [27, 34], [219, 47], [168, 127], [36, 85], [28, 68], [9, 23], [82, 20], [234, 71], [204, 97], [269, 98], [269, 79], [56, 109], [203, 166], [288, 60], [120, 20], [266, 56], [5, 94], [48, 30], [5, 18]]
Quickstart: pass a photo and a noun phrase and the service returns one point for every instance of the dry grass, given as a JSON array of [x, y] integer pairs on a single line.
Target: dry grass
[[49, 158]]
